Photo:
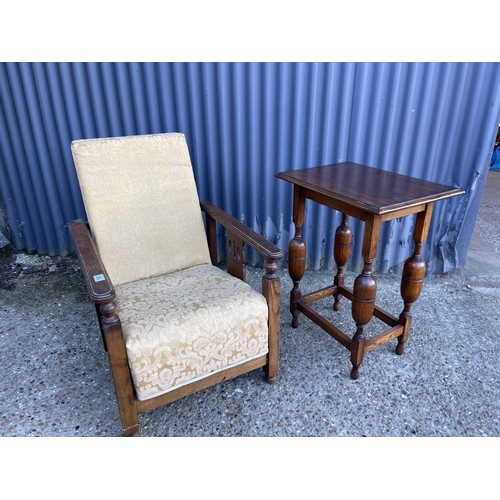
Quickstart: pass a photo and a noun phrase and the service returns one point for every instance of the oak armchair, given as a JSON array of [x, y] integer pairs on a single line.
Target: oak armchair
[[172, 322]]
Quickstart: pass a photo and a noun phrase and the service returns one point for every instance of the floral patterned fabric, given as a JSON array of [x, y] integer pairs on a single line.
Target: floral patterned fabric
[[142, 204], [187, 325]]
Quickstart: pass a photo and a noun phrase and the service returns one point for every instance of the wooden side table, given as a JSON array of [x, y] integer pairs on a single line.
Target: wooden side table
[[374, 196]]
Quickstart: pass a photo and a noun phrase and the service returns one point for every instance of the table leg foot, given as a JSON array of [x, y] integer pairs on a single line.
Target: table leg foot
[[400, 348], [357, 351], [294, 297]]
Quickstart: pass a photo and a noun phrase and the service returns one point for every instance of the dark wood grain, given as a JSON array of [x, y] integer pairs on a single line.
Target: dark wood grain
[[412, 278], [367, 188], [235, 258], [271, 288], [378, 312], [341, 252], [373, 196], [117, 352], [319, 294], [212, 240], [383, 337], [364, 292], [91, 264], [248, 235], [328, 327], [297, 253]]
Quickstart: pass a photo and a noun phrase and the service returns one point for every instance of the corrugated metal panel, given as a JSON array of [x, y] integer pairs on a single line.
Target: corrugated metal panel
[[246, 121]]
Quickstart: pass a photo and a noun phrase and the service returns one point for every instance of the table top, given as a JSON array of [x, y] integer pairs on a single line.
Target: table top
[[371, 189]]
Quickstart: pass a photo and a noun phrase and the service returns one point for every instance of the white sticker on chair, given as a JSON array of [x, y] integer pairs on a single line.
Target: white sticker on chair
[[99, 277]]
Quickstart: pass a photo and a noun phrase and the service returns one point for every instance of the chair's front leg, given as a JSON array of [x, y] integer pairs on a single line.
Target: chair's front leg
[[271, 291], [117, 353]]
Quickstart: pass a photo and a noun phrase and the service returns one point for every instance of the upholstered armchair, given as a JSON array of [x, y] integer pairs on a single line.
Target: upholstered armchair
[[172, 321]]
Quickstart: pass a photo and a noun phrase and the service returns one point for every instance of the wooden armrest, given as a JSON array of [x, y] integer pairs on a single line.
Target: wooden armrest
[[269, 250], [99, 285]]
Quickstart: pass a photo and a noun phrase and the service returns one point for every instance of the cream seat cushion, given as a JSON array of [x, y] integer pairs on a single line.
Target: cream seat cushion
[[189, 324]]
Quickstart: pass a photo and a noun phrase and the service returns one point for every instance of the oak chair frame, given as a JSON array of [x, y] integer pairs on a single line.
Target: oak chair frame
[[102, 293]]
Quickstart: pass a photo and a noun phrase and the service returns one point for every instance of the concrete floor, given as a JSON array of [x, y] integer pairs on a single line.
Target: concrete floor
[[484, 250], [56, 379]]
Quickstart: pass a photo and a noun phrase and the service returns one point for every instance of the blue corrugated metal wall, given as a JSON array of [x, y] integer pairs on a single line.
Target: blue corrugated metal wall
[[246, 121]]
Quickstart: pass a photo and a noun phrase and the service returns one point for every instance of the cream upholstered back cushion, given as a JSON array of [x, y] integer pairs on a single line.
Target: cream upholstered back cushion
[[142, 204]]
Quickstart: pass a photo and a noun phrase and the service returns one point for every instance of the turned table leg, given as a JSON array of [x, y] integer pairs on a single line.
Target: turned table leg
[[413, 274], [297, 253], [364, 291], [341, 252]]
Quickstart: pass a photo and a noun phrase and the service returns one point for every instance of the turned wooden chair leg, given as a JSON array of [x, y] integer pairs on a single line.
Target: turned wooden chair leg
[[271, 291], [120, 369], [342, 250]]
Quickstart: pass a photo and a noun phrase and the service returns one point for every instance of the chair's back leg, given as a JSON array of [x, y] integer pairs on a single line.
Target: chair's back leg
[[119, 368], [271, 291]]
